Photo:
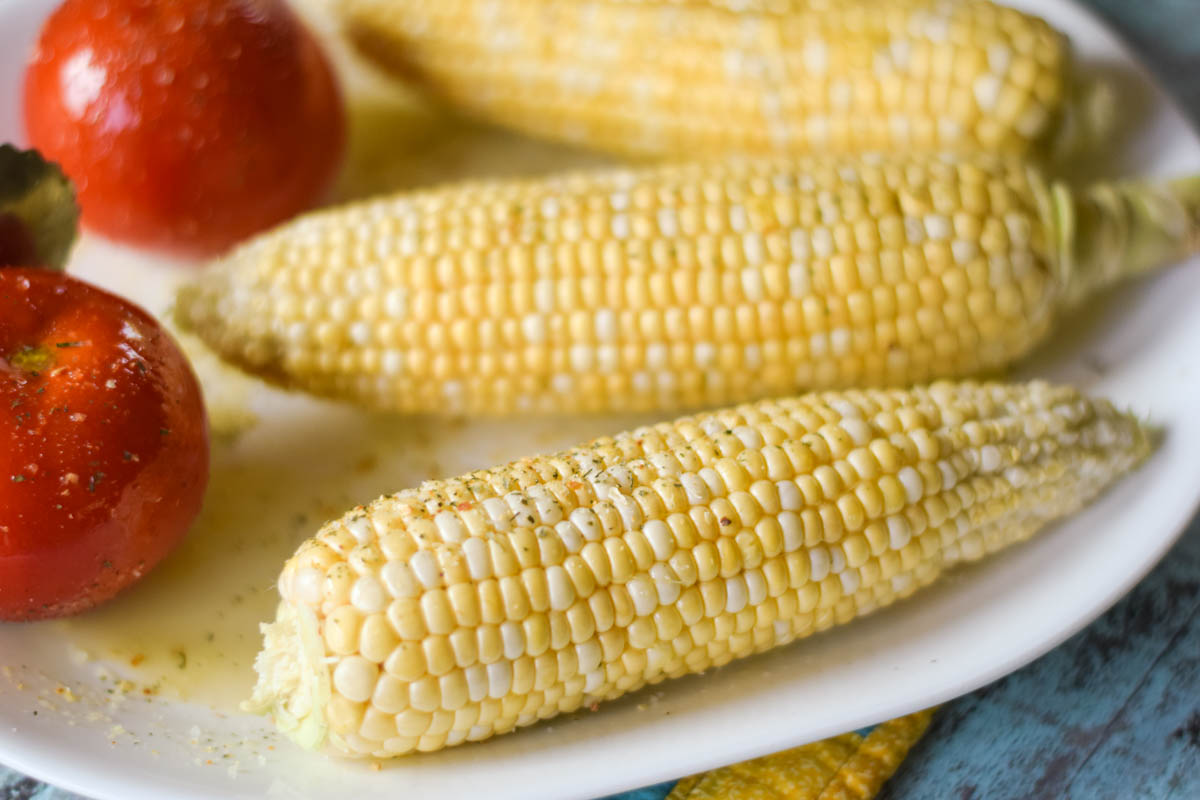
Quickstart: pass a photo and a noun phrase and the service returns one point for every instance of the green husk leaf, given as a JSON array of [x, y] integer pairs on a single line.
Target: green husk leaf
[[1086, 122], [1111, 231], [36, 193]]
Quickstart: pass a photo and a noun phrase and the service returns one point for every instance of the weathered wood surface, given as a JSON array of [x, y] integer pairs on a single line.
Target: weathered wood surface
[[1114, 713]]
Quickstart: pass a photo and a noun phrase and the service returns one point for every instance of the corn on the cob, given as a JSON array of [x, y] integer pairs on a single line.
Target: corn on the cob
[[475, 605], [677, 286], [656, 77], [845, 767]]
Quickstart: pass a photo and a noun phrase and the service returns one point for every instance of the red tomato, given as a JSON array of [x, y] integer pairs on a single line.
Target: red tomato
[[103, 444], [186, 124]]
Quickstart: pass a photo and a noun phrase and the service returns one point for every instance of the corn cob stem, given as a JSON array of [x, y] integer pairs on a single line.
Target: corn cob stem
[[1109, 232], [676, 287], [472, 606]]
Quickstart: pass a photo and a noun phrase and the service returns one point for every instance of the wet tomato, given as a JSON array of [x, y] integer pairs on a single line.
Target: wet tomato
[[186, 125], [103, 444]]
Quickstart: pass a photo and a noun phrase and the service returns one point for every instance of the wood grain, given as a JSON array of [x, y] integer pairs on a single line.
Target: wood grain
[[1113, 713]]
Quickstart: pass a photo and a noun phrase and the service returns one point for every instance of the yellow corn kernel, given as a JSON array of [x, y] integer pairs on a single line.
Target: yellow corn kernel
[[653, 78], [415, 675], [1065, 244]]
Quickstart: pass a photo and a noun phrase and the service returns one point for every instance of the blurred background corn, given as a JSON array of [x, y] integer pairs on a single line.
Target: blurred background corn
[[682, 78], [678, 286], [475, 605]]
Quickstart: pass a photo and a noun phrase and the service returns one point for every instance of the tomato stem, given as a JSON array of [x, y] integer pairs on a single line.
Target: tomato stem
[[32, 359]]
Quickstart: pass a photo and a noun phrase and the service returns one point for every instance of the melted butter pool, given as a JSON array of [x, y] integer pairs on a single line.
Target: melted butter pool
[[190, 629]]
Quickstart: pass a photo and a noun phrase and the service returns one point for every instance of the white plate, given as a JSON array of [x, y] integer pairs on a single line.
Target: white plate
[[1138, 346]]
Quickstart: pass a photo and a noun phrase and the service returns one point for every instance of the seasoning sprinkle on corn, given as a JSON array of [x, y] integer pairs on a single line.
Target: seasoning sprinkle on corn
[[682, 79], [678, 287], [476, 605]]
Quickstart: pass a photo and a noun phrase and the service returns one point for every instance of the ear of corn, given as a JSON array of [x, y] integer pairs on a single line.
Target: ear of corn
[[476, 605], [678, 286], [663, 78], [843, 767]]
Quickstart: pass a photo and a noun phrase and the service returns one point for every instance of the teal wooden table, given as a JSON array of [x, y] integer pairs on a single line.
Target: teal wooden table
[[1114, 713]]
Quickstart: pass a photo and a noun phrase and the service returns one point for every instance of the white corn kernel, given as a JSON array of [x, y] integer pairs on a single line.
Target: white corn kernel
[[425, 643], [354, 678], [368, 595], [450, 527]]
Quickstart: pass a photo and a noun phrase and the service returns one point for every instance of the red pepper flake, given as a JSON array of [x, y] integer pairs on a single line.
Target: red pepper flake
[[467, 506]]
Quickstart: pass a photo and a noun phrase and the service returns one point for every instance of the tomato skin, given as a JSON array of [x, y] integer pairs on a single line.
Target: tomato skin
[[103, 444], [187, 125]]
